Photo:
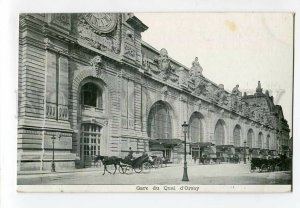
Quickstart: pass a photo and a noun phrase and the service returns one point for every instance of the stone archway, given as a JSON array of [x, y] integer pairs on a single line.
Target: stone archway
[[76, 84], [268, 141], [160, 124], [260, 140], [196, 127], [237, 136], [250, 138], [220, 132]]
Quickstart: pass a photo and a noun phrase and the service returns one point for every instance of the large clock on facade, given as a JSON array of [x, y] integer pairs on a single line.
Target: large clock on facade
[[102, 22]]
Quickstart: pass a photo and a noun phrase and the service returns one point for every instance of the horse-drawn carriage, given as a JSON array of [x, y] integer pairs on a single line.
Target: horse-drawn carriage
[[127, 165], [281, 163], [138, 165]]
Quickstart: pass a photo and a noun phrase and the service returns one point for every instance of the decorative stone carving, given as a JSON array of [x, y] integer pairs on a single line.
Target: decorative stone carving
[[236, 91], [62, 20], [199, 104], [164, 91], [220, 95], [97, 65], [236, 97], [246, 109], [258, 88], [183, 77], [196, 69], [200, 87], [145, 63], [101, 22], [196, 82], [130, 52], [96, 38], [164, 64], [130, 35]]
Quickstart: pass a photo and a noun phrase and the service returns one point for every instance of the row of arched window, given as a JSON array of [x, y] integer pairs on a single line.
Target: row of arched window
[[160, 127], [160, 121]]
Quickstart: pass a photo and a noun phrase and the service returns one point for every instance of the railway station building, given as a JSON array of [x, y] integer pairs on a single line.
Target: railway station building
[[89, 85]]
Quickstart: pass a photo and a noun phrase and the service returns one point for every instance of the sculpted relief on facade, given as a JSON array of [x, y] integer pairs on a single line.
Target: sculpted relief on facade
[[220, 96], [100, 32]]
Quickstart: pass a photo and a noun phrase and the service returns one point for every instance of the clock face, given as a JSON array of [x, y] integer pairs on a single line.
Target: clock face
[[102, 22]]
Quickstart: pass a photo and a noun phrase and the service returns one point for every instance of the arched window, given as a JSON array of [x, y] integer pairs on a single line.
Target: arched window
[[237, 136], [91, 95], [268, 142], [220, 133], [196, 128], [159, 122], [250, 135], [259, 141]]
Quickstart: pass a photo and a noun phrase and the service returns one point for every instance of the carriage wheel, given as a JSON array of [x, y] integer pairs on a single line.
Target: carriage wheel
[[252, 168], [156, 164], [146, 167], [138, 169], [128, 170], [264, 168], [121, 169], [277, 167]]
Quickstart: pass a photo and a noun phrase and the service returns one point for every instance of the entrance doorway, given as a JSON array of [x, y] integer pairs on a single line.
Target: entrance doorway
[[89, 143], [196, 152], [167, 153]]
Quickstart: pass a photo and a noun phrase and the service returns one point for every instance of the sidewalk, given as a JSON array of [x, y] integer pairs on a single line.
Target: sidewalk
[[70, 171], [48, 172], [92, 169]]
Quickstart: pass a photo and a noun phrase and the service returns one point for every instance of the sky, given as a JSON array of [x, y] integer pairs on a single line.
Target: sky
[[233, 48]]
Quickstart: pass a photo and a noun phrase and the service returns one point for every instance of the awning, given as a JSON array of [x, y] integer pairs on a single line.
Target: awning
[[225, 146], [242, 149], [201, 144], [273, 152], [264, 152], [228, 149], [165, 142], [255, 151]]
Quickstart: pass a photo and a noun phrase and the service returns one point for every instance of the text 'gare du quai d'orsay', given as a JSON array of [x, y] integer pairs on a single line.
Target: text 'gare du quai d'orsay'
[[90, 82]]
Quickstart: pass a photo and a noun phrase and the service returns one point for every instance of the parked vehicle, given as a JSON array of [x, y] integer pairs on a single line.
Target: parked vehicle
[[281, 163], [138, 165]]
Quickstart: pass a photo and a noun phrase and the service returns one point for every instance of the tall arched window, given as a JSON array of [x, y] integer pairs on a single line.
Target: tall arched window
[[259, 141], [220, 133], [159, 122], [237, 136], [196, 128], [91, 95], [250, 138], [268, 142]]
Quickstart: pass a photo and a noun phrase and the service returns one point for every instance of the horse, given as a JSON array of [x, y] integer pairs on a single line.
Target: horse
[[108, 161]]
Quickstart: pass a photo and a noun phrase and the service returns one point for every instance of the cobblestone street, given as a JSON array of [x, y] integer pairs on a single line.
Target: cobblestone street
[[221, 174]]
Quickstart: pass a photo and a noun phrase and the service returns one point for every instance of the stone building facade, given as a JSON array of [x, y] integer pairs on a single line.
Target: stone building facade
[[90, 84]]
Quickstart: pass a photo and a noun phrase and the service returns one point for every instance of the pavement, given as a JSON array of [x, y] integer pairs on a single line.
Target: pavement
[[216, 174]]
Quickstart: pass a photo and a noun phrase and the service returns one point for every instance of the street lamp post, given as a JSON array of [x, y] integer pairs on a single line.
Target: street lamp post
[[245, 152], [185, 175], [54, 137]]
